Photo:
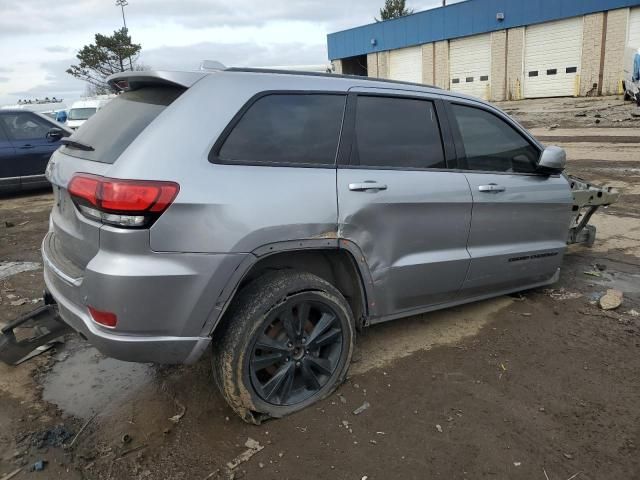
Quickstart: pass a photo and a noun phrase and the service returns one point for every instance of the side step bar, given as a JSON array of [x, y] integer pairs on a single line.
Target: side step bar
[[587, 198], [46, 325]]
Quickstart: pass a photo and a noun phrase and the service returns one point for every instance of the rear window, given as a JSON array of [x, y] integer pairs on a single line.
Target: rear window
[[112, 129], [287, 129]]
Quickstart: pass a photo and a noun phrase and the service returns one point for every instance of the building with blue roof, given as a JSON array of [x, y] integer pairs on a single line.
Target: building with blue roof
[[500, 49]]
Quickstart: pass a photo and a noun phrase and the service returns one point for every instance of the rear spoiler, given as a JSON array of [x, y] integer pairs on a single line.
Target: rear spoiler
[[135, 80]]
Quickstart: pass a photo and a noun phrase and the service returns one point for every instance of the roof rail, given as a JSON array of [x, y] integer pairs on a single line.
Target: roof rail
[[327, 75]]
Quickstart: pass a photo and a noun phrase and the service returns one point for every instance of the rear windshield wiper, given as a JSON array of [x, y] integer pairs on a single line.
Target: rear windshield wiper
[[75, 144]]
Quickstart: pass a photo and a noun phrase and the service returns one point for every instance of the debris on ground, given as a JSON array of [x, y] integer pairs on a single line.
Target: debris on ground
[[439, 428], [132, 450], [253, 447], [38, 351], [611, 300], [182, 410], [53, 437], [633, 313], [39, 466], [361, 408], [593, 273], [562, 294], [82, 429]]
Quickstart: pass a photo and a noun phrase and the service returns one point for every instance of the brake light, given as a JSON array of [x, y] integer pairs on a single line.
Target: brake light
[[124, 203], [106, 319]]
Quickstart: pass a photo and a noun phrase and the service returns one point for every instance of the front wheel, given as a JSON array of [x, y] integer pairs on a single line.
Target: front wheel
[[286, 343]]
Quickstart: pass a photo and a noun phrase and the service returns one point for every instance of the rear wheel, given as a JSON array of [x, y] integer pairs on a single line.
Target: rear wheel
[[286, 343]]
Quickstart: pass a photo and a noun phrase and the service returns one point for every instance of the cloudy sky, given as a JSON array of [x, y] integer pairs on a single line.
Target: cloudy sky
[[39, 38]]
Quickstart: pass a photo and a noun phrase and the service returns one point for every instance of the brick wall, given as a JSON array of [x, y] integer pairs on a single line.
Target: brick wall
[[498, 79], [591, 53], [427, 63], [442, 64], [372, 65], [515, 63], [383, 64], [617, 26]]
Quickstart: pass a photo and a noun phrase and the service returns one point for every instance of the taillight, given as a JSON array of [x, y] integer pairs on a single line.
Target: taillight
[[124, 203], [106, 319]]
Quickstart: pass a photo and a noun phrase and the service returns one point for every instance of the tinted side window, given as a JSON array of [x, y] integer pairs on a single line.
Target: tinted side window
[[25, 126], [491, 144], [287, 128], [397, 132]]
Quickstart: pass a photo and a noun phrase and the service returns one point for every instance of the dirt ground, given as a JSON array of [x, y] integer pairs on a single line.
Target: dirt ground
[[542, 385]]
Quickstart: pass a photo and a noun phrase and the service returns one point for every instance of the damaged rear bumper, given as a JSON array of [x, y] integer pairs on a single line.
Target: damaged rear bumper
[[587, 199], [45, 325]]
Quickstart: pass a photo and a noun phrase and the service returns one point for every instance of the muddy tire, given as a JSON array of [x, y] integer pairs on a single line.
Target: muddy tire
[[285, 344]]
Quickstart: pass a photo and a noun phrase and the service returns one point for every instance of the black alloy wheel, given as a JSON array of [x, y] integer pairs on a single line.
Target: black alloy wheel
[[297, 350]]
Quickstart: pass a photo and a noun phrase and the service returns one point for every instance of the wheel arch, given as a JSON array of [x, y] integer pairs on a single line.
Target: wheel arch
[[339, 262]]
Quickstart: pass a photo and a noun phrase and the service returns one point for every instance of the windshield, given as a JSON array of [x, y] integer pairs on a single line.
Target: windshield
[[80, 113]]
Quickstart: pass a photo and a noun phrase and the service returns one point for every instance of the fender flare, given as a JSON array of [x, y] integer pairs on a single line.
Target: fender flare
[[228, 293]]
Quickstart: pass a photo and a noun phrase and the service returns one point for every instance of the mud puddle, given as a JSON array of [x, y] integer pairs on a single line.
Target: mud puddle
[[84, 382], [625, 282]]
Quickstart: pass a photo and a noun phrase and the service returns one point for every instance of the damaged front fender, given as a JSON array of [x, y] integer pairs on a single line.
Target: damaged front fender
[[587, 199]]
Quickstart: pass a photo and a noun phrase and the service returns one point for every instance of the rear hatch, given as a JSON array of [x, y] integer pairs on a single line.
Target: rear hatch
[[74, 238]]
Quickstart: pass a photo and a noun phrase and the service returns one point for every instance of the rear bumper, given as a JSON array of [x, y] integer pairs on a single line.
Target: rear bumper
[[129, 348], [161, 315]]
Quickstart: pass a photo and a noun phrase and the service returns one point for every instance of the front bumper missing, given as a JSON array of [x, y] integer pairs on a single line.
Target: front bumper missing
[[45, 324], [587, 198]]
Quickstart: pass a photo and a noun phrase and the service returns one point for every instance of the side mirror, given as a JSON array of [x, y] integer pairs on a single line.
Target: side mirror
[[55, 134], [552, 160]]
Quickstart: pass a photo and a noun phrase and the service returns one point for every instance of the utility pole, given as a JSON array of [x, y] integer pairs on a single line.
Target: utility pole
[[122, 4]]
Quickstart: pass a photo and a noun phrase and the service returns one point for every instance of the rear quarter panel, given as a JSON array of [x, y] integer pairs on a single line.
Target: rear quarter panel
[[228, 208]]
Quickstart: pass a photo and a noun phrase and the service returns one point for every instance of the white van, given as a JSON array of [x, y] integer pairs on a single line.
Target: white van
[[82, 110], [631, 76]]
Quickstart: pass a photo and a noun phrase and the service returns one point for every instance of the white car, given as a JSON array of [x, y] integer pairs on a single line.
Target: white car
[[82, 110]]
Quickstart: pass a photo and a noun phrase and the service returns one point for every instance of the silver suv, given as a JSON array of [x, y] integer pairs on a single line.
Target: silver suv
[[270, 215]]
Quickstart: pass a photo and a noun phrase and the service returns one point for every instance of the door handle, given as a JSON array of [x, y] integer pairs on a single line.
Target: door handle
[[366, 185], [491, 188], [26, 146]]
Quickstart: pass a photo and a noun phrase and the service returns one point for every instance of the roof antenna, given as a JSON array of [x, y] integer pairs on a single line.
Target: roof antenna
[[211, 65]]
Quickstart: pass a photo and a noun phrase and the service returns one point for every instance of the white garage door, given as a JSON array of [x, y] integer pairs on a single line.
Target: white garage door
[[470, 60], [552, 58], [634, 28], [405, 64]]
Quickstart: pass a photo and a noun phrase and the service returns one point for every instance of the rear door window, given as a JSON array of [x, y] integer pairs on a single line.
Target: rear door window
[[112, 129], [491, 144], [287, 129], [398, 133]]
